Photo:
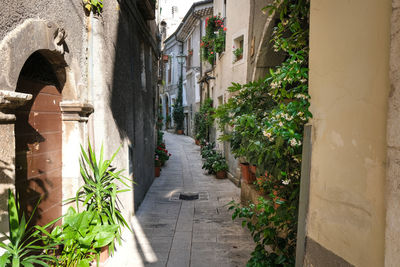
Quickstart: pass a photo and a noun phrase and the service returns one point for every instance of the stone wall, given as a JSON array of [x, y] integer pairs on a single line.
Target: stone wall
[[106, 62]]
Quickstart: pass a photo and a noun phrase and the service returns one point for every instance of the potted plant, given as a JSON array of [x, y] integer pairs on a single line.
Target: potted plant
[[83, 238], [99, 193], [238, 53], [162, 153], [157, 166], [220, 166], [244, 167]]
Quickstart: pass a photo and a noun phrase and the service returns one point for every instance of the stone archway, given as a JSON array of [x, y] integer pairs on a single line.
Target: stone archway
[[38, 141], [46, 38], [266, 57]]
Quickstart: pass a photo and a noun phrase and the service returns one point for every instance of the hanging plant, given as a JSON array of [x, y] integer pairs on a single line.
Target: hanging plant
[[213, 41], [93, 5]]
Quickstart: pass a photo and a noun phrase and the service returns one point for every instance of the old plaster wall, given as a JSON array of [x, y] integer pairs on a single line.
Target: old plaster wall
[[226, 70], [261, 56], [193, 102], [349, 87], [26, 27], [66, 14], [124, 95]]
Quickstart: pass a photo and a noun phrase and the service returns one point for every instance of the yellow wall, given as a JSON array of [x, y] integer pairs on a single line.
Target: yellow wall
[[349, 86]]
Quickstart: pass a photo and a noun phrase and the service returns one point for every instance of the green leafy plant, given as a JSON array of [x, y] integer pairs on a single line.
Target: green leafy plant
[[264, 123], [238, 53], [271, 225], [213, 41], [162, 153], [93, 5], [81, 237], [219, 163], [178, 113], [22, 248], [204, 120], [100, 190]]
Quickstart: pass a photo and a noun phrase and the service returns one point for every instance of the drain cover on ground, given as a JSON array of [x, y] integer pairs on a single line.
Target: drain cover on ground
[[189, 196]]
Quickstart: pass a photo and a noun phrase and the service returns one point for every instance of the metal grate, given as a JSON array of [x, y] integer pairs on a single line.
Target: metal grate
[[189, 196], [177, 196]]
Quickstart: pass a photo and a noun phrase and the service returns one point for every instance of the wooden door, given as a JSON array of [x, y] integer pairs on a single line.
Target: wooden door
[[38, 133]]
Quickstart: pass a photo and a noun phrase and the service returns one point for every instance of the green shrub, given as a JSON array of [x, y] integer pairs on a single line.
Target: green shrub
[[23, 247]]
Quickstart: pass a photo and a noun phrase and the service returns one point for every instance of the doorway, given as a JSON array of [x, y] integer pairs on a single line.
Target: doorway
[[38, 138]]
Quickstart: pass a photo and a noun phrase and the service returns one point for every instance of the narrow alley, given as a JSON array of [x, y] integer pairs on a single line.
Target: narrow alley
[[173, 232]]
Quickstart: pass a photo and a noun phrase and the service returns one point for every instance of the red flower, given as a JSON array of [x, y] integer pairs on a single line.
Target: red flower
[[225, 29], [212, 52]]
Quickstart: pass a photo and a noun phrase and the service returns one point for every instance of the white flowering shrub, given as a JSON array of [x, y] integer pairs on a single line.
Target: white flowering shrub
[[264, 123]]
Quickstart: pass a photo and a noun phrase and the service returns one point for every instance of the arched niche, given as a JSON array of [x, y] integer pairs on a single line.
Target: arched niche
[[266, 57]]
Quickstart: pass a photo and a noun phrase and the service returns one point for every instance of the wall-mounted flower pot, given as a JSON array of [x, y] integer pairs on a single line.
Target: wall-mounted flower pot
[[221, 174], [157, 171], [247, 176], [179, 131], [253, 169]]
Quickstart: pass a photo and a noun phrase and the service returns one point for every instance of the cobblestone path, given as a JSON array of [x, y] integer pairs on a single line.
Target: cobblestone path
[[174, 233]]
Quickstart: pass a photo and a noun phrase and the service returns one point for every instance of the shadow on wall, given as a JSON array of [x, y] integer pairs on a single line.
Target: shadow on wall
[[6, 181], [38, 141], [132, 96]]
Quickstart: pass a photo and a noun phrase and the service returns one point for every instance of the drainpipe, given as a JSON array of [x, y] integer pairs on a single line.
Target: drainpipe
[[90, 79], [201, 64]]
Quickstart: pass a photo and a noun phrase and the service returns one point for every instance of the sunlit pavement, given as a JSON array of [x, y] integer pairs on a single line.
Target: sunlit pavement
[[171, 232]]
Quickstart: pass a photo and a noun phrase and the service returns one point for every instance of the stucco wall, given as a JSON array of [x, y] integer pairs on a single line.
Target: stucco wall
[[125, 95], [226, 70], [349, 87], [104, 66]]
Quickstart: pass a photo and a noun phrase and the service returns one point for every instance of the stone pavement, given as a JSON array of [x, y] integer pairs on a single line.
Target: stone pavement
[[174, 233]]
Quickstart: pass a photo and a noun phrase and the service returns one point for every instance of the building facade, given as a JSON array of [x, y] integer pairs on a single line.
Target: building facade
[[183, 61], [68, 77]]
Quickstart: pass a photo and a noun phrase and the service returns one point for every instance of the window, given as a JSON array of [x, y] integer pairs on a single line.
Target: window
[[197, 88], [189, 54], [174, 10], [143, 66], [238, 48], [169, 70], [224, 10], [184, 101]]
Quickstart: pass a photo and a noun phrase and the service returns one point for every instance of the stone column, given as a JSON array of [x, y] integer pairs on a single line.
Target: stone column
[[9, 101], [74, 116]]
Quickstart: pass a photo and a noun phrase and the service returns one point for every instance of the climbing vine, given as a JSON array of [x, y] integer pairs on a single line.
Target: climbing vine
[[178, 113], [213, 41], [204, 120], [264, 124]]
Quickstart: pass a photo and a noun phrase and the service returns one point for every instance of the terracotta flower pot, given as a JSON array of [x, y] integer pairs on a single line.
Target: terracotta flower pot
[[104, 254], [179, 131], [221, 174], [157, 171], [197, 142], [253, 169], [246, 175]]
